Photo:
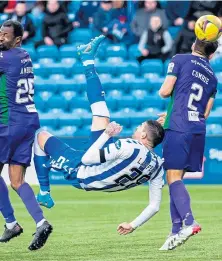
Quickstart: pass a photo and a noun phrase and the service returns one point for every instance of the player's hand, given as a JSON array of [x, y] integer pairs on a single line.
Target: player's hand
[[125, 228], [162, 118], [113, 129], [145, 52]]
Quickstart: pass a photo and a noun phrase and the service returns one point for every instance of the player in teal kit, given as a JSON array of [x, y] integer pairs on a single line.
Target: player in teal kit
[[192, 85], [18, 122]]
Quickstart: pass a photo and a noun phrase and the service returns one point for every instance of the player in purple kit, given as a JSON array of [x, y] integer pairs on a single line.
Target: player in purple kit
[[18, 123], [192, 85]]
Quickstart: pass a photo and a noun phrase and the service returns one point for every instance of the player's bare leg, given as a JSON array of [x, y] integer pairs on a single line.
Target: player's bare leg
[[25, 192], [12, 228], [182, 211]]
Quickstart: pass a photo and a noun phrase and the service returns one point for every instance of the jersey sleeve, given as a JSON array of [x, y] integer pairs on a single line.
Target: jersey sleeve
[[174, 66], [3, 63], [213, 95]]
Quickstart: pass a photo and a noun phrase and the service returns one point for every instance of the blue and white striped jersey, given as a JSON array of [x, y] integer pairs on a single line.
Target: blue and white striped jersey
[[128, 164]]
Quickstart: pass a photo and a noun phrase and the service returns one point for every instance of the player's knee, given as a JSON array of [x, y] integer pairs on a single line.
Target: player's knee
[[174, 175], [43, 136], [15, 184]]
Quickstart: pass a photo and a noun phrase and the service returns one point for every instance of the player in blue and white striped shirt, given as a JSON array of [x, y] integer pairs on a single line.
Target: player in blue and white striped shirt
[[107, 165]]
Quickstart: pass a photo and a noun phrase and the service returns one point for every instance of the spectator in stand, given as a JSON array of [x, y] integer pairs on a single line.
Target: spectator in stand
[[103, 17], [10, 7], [21, 15], [185, 38], [142, 17], [155, 42], [203, 7], [119, 30], [177, 11], [3, 5], [119, 8], [85, 13], [39, 9], [56, 25]]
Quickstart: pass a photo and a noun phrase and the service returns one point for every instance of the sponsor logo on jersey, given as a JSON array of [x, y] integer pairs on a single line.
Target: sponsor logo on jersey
[[170, 68], [202, 65], [118, 144]]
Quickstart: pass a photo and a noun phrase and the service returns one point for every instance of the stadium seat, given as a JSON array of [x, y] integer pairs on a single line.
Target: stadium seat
[[80, 82], [218, 102], [116, 50], [31, 51], [104, 67], [134, 52], [45, 85], [152, 66], [57, 101], [139, 94], [127, 67], [68, 51], [122, 116], [45, 95], [43, 61], [156, 84], [77, 68], [40, 103], [71, 61], [128, 101], [46, 51], [82, 103], [84, 131], [214, 129], [48, 119], [165, 66], [115, 84], [84, 115], [216, 64], [138, 117], [174, 30], [80, 35], [69, 119], [140, 84], [65, 131], [68, 95], [151, 101]]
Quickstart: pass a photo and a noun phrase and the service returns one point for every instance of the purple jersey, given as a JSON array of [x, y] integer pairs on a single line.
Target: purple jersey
[[196, 83], [17, 89]]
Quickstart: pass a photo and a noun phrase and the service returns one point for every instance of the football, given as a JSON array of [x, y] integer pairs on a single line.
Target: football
[[208, 28]]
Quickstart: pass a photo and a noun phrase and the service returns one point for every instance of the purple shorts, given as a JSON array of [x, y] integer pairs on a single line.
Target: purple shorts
[[183, 151]]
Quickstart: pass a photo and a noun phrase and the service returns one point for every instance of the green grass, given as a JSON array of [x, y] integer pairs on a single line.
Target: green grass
[[85, 228]]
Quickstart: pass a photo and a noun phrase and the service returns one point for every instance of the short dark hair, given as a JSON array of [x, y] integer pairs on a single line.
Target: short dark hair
[[17, 27], [205, 48], [156, 132]]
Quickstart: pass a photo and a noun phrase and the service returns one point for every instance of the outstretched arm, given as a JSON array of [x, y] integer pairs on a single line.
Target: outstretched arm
[[95, 154], [155, 195]]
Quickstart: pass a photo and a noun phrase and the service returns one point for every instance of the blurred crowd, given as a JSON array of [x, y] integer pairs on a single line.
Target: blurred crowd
[[150, 24]]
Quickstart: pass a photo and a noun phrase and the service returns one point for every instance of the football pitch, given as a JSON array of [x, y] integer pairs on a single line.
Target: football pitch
[[85, 227]]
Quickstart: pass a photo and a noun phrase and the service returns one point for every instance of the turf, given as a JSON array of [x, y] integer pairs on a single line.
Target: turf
[[85, 228]]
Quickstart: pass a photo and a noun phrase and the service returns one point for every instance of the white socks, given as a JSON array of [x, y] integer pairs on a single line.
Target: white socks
[[88, 62], [100, 109], [11, 225], [40, 222]]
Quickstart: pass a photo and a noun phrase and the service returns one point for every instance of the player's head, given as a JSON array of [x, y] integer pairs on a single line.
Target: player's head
[[150, 133], [11, 34], [206, 49], [20, 8]]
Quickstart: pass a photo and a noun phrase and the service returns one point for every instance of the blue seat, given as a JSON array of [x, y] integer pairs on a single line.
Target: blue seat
[[219, 76], [128, 101], [128, 67], [216, 64], [70, 61], [139, 94], [214, 129], [69, 119], [45, 95], [65, 131], [165, 66], [174, 30], [117, 50], [68, 51], [48, 119], [122, 117], [218, 102], [115, 84], [57, 101], [80, 82], [45, 85], [140, 84], [104, 67], [68, 95], [31, 51], [139, 117], [156, 84], [127, 132], [134, 52], [48, 52], [152, 66], [79, 103], [83, 132], [39, 103], [84, 115], [78, 68], [151, 101], [80, 35], [57, 68]]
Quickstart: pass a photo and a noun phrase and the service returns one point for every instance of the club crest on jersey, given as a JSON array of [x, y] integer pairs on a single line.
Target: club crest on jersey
[[170, 68], [118, 144]]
